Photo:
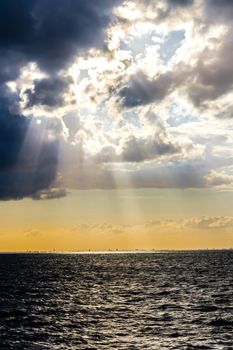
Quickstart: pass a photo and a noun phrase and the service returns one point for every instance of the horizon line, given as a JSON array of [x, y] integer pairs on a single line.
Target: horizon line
[[116, 251]]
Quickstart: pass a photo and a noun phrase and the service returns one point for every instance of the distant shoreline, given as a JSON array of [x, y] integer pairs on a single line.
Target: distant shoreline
[[97, 252]]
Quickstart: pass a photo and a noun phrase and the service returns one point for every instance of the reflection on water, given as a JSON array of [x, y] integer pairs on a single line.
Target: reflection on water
[[117, 301]]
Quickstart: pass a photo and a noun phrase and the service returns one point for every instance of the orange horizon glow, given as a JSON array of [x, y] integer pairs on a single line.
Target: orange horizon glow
[[74, 240]]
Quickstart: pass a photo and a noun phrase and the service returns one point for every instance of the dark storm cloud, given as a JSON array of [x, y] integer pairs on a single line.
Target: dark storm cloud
[[12, 132], [10, 65], [50, 32], [28, 160], [47, 92], [17, 184]]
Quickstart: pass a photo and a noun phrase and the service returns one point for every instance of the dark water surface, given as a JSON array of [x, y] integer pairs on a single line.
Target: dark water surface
[[117, 301]]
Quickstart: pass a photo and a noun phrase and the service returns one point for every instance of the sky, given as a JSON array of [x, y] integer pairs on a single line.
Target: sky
[[116, 124]]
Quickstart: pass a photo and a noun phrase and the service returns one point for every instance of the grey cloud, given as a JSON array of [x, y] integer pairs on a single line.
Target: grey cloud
[[213, 73], [142, 149], [50, 193], [47, 92], [220, 3], [180, 174], [173, 176], [219, 179], [139, 166], [219, 10], [181, 2], [209, 79], [142, 90]]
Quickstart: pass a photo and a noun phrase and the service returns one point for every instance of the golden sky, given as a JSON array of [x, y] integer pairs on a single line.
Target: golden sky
[[119, 219]]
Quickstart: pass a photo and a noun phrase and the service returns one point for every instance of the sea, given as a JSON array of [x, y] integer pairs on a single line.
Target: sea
[[156, 300]]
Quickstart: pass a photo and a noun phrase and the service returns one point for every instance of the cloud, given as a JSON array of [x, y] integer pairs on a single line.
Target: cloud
[[157, 227], [28, 157], [51, 32], [205, 83], [169, 12], [176, 175], [99, 144], [10, 64], [33, 233], [138, 158], [47, 92], [142, 90], [201, 69], [181, 2], [209, 222], [213, 73], [198, 223], [50, 193], [219, 179], [12, 130], [219, 10], [154, 174], [17, 184], [140, 149]]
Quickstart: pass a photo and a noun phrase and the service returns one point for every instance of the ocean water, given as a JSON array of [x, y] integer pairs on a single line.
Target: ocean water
[[178, 300]]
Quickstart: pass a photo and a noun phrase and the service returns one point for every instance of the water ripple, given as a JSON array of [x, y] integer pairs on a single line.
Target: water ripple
[[117, 301]]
